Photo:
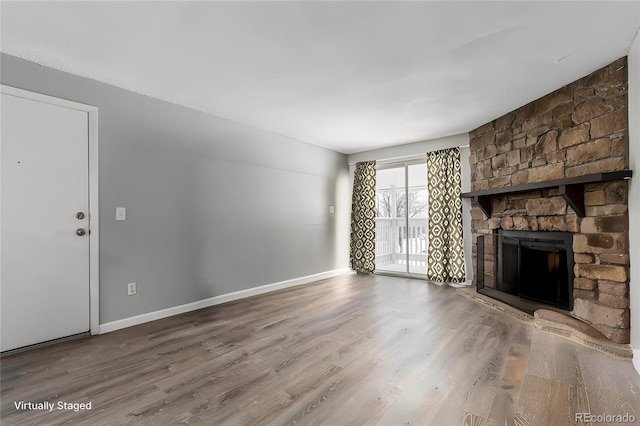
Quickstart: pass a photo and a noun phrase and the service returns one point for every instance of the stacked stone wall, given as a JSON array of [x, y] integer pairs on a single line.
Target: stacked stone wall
[[577, 130]]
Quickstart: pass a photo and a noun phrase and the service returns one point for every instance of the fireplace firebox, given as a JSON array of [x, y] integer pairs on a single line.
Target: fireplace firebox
[[536, 266]]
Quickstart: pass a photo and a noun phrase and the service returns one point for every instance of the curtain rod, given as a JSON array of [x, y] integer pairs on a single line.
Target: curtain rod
[[404, 157]]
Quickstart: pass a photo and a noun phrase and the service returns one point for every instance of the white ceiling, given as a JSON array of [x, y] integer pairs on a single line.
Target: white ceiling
[[349, 76]]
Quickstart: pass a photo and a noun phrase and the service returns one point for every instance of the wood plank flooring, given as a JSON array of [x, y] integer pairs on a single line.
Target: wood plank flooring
[[351, 350]]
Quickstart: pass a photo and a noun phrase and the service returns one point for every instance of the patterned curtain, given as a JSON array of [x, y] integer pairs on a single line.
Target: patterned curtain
[[363, 218], [445, 251]]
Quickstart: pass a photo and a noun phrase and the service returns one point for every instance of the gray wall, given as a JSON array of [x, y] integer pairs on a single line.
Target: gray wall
[[213, 206], [634, 195]]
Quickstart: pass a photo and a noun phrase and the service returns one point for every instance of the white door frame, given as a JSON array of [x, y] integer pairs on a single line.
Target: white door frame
[[94, 227]]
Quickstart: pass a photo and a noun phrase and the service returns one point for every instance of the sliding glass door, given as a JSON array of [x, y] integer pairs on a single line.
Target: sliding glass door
[[390, 189], [417, 218], [401, 218]]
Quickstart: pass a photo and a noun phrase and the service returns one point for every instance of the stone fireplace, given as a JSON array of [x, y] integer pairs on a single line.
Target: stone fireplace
[[575, 140]]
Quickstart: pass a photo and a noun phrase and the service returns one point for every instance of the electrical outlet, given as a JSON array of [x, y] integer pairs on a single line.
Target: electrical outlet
[[131, 289]]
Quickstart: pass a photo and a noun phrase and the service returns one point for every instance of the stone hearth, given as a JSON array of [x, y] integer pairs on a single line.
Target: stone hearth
[[579, 129]]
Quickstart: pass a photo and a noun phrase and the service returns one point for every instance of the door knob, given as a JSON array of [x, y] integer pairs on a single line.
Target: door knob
[[80, 215], [80, 232]]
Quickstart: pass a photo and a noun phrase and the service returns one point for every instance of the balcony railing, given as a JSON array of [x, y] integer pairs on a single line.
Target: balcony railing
[[394, 239]]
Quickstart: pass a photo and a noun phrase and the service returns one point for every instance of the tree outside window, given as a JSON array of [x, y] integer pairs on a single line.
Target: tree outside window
[[417, 203]]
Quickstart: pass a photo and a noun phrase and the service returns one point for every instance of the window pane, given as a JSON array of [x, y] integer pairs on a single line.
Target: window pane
[[418, 218]]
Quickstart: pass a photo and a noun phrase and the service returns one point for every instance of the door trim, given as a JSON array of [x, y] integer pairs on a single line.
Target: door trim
[[94, 211]]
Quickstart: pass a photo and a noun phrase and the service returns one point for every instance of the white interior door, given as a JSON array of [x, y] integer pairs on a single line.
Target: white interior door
[[45, 183]]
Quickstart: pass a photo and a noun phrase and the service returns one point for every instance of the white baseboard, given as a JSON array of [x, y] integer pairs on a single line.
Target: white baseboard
[[217, 300], [636, 359]]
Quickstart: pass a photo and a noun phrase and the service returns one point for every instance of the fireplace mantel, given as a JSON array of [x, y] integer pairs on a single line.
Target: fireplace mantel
[[571, 189]]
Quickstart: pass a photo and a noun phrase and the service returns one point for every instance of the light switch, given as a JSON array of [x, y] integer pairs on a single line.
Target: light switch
[[121, 213], [331, 210]]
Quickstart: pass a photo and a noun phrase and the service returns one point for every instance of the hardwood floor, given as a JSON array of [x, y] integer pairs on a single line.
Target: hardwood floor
[[349, 350]]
